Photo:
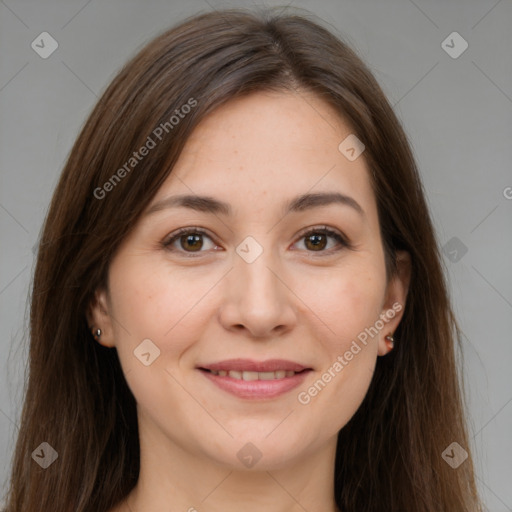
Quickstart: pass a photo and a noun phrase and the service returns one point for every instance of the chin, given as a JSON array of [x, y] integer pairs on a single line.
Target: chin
[[257, 453]]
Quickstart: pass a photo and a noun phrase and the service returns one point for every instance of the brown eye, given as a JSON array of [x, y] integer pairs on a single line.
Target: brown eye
[[192, 242], [189, 241], [321, 239], [316, 241]]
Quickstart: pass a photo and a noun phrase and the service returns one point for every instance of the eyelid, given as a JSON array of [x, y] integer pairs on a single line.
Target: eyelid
[[327, 230], [175, 235], [186, 230]]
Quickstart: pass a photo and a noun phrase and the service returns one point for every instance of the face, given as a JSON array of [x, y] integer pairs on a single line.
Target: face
[[286, 263]]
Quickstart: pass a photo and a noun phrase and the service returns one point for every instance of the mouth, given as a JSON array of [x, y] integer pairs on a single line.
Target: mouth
[[249, 375], [256, 380]]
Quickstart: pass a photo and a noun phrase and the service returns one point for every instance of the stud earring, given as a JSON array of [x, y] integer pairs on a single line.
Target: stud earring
[[390, 342], [96, 333]]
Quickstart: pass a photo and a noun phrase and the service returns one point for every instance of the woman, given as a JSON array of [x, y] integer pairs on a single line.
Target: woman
[[238, 300]]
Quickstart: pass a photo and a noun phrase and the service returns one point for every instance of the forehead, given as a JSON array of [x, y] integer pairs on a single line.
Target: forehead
[[269, 146]]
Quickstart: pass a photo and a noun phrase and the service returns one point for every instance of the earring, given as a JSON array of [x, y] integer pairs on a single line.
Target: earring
[[390, 342], [96, 333]]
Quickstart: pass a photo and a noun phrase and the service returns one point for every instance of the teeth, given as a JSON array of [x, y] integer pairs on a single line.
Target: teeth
[[249, 375], [234, 374]]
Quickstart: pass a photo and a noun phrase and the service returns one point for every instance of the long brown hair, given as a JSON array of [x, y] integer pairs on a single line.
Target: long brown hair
[[389, 456]]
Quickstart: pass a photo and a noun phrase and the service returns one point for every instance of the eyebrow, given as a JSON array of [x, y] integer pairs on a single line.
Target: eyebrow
[[298, 204]]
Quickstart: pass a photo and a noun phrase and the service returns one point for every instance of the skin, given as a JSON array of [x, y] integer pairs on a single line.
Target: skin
[[293, 302]]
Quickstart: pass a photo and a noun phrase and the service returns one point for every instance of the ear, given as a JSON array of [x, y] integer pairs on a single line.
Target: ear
[[394, 303], [98, 317]]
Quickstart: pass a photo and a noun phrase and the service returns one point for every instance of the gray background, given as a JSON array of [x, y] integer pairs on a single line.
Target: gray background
[[457, 112]]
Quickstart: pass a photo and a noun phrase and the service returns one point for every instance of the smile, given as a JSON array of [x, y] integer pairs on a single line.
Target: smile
[[248, 376], [251, 379]]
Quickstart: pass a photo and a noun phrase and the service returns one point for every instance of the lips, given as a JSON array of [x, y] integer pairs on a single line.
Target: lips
[[249, 365], [246, 375], [246, 378]]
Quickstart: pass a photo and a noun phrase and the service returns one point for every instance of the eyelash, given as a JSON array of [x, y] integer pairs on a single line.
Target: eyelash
[[343, 241]]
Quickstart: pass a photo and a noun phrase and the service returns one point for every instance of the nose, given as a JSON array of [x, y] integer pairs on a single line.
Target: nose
[[257, 300]]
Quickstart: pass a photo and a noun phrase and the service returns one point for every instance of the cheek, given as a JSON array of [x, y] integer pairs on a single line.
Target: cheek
[[150, 302], [347, 301], [349, 306]]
